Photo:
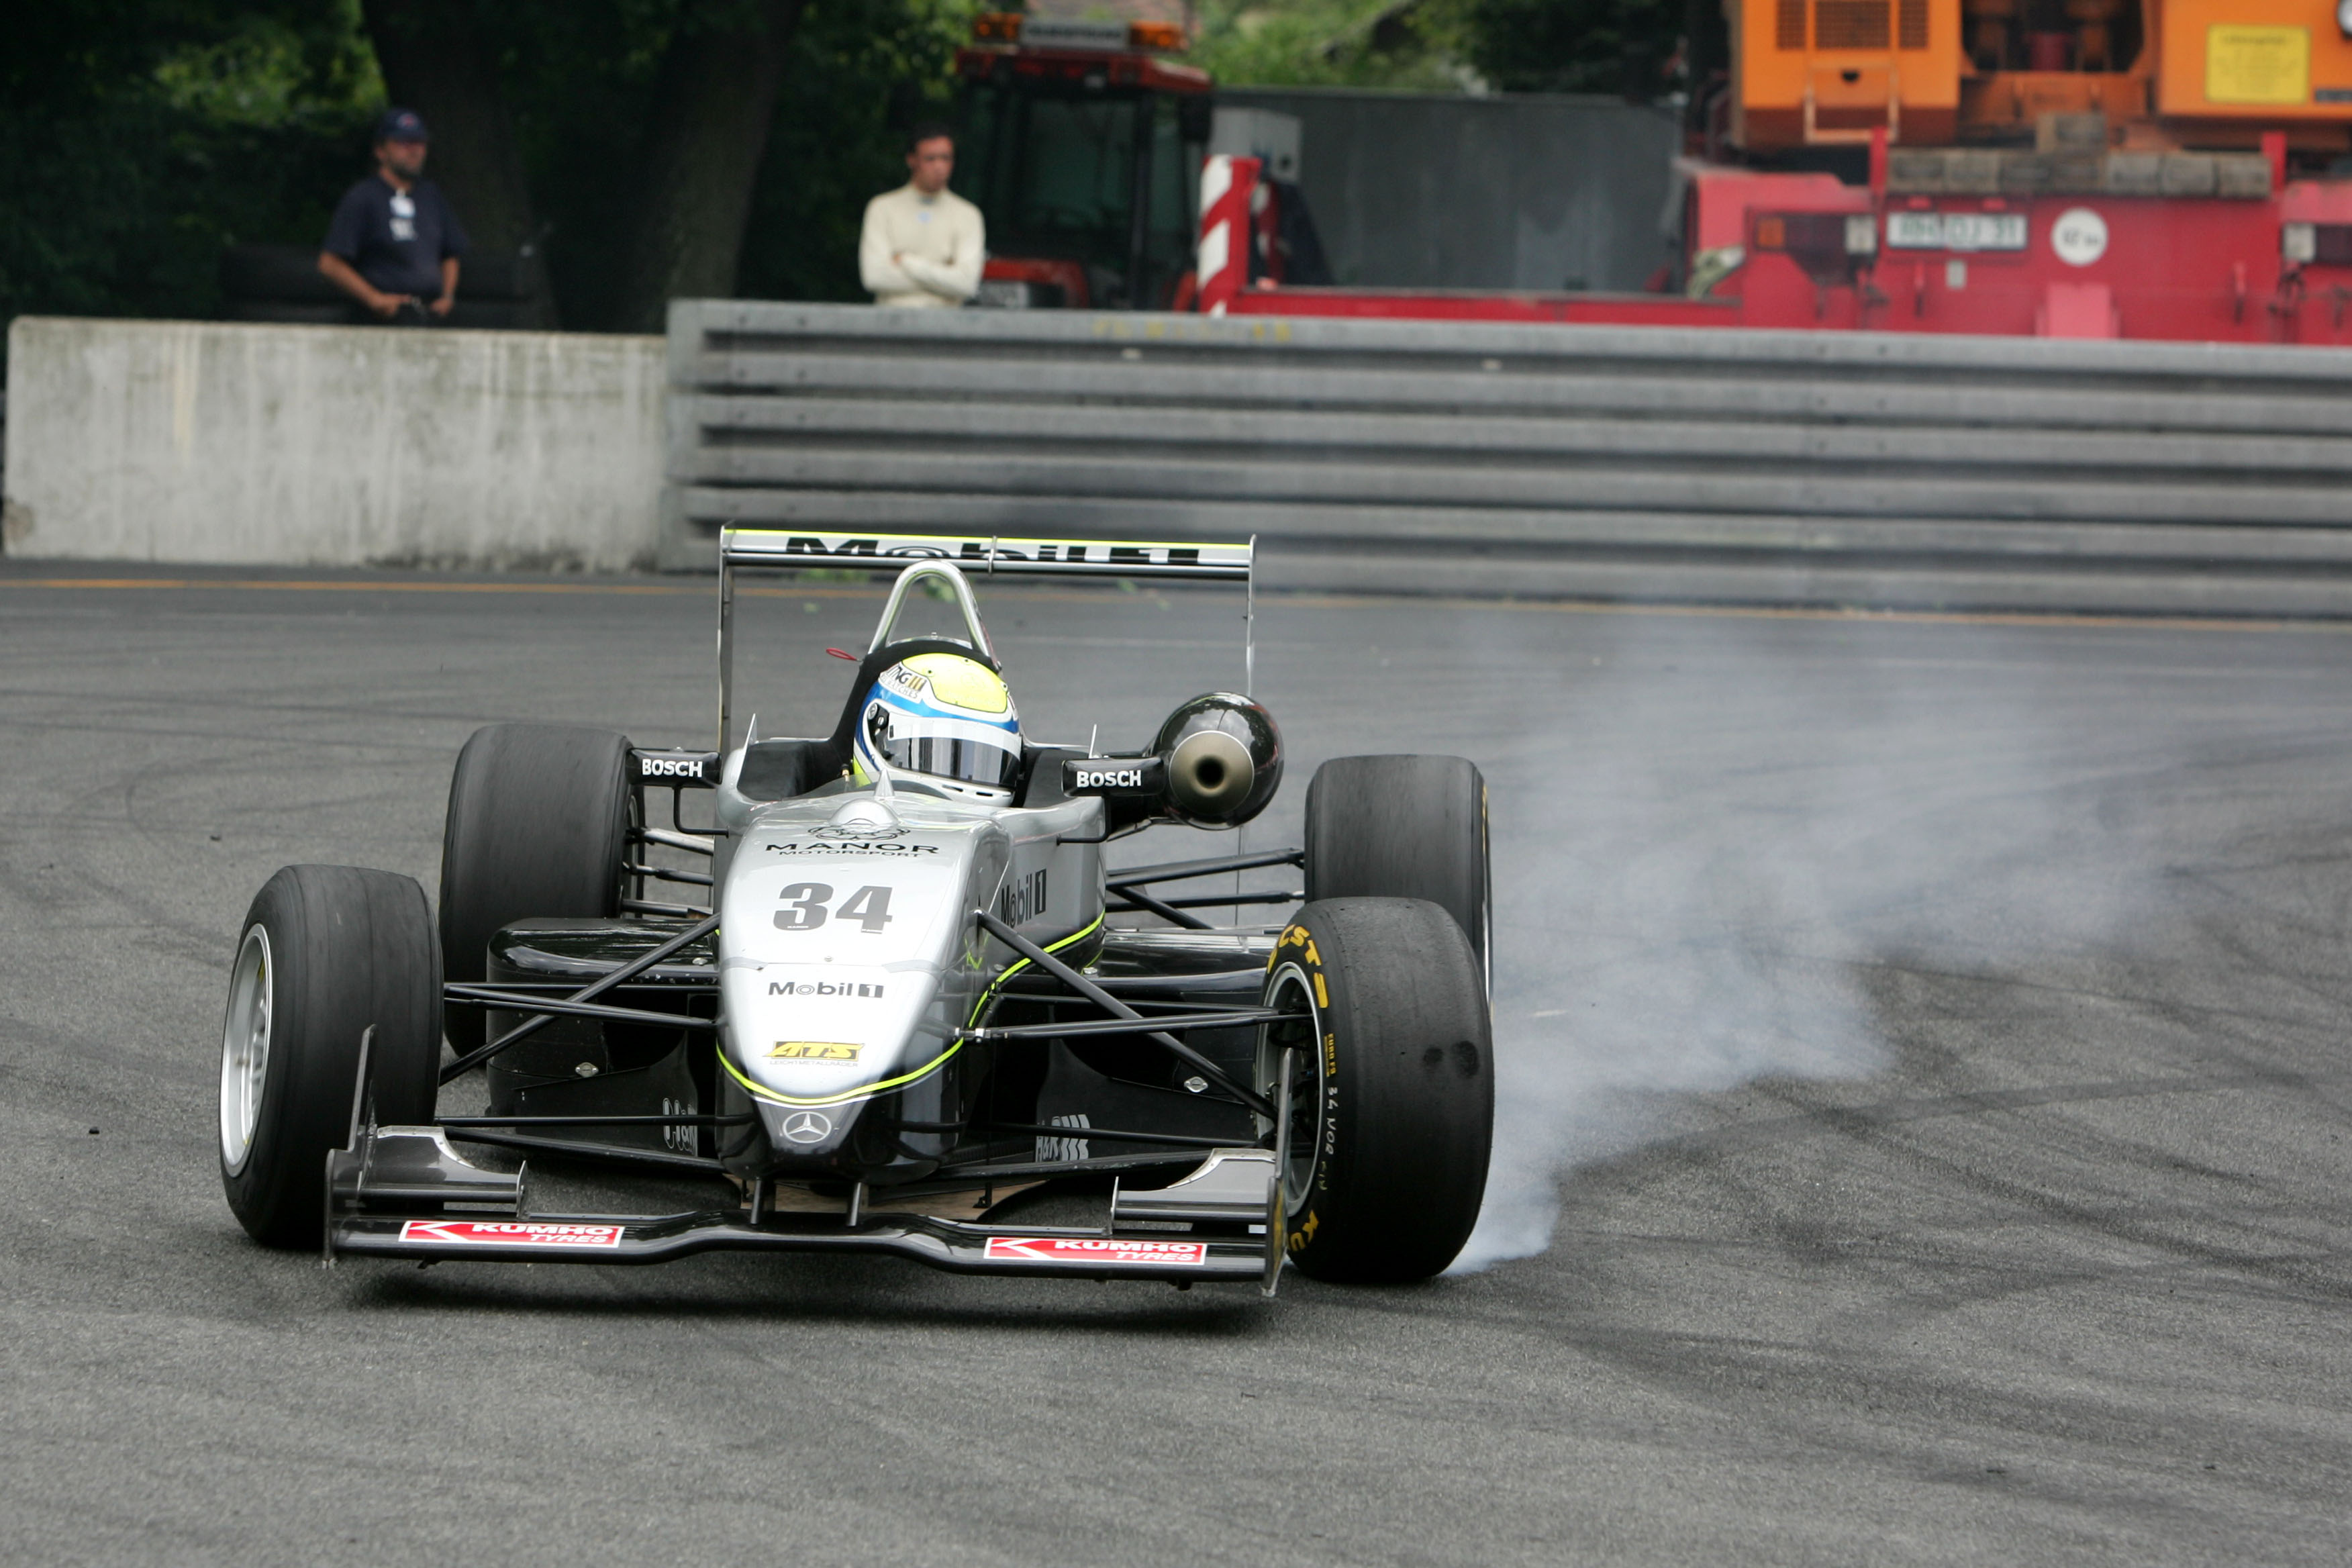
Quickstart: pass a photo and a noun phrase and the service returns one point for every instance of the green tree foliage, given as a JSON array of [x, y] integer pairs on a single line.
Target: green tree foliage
[[1504, 46], [1572, 45], [1380, 44], [138, 137]]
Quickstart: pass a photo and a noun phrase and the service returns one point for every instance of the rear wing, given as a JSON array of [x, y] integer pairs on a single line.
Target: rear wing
[[781, 550]]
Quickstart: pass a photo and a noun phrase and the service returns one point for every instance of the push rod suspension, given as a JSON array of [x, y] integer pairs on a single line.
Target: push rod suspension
[[693, 844], [594, 1121], [588, 993], [528, 993], [663, 873], [1118, 1009], [650, 907], [564, 1008], [604, 1152], [1150, 905], [1178, 870], [1238, 1017], [1176, 907]]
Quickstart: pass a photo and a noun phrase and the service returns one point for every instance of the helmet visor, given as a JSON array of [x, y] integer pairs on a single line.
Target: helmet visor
[[955, 757], [939, 747]]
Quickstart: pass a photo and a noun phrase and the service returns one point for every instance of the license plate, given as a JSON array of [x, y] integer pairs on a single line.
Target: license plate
[[1955, 231]]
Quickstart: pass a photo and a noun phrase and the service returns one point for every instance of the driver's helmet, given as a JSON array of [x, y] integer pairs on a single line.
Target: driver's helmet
[[943, 721]]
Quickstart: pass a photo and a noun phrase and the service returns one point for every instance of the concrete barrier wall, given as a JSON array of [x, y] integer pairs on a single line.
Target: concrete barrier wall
[[1621, 463], [235, 443]]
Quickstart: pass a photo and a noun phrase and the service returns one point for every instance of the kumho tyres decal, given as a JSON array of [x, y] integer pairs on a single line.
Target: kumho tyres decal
[[867, 1091], [510, 1233], [1097, 1249]]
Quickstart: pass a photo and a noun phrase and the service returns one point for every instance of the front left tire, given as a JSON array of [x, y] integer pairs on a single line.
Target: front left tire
[[325, 954]]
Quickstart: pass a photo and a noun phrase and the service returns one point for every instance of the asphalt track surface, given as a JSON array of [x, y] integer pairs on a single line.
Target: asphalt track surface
[[1930, 1032]]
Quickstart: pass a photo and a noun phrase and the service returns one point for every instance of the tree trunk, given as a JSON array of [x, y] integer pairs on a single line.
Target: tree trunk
[[436, 61], [714, 100]]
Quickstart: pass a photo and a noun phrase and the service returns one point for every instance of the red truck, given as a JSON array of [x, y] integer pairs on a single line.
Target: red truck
[[2154, 169]]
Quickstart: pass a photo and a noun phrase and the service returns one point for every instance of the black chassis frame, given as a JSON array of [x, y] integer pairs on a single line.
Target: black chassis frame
[[392, 1192]]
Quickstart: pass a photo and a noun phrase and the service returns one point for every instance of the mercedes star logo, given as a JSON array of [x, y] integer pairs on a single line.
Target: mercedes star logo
[[807, 1127]]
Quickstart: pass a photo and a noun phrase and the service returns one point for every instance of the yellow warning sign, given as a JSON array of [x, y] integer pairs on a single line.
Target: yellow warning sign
[[2257, 64]]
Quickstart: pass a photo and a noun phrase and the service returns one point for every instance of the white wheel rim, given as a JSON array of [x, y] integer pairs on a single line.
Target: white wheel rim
[[244, 1048]]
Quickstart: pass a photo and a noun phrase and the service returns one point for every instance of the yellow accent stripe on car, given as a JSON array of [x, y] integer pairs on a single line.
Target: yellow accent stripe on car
[[867, 1091], [989, 995]]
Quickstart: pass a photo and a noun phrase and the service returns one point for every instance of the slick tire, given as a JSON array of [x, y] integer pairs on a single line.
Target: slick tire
[[538, 826], [1392, 1092], [1403, 827], [326, 953]]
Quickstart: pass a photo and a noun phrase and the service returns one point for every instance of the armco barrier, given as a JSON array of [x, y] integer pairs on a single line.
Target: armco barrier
[[235, 443], [1840, 468]]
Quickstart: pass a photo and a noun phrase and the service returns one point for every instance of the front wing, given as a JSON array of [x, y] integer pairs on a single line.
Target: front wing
[[948, 1245]]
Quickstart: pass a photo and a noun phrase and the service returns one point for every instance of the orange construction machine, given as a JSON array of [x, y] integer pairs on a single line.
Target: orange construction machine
[[2163, 74]]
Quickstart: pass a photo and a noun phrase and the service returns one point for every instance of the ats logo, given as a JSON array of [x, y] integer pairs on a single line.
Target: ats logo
[[815, 1051]]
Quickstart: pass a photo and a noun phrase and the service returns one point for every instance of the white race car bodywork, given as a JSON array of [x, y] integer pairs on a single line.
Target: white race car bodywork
[[850, 953]]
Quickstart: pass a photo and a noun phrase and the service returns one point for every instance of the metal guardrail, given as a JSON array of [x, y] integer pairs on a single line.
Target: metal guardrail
[[1630, 463]]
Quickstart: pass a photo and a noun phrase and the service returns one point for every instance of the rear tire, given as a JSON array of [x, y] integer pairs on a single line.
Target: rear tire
[[538, 825], [1403, 827], [1392, 1095], [327, 951]]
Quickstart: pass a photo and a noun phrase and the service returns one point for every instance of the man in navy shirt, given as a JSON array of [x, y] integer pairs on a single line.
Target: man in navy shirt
[[394, 243]]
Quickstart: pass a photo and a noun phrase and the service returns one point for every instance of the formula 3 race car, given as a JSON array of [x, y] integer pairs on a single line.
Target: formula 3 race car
[[916, 1006]]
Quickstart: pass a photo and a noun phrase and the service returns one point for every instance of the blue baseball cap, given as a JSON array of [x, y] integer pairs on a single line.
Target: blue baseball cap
[[400, 125]]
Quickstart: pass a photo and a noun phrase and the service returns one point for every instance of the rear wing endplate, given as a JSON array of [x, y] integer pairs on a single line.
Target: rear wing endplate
[[991, 554]]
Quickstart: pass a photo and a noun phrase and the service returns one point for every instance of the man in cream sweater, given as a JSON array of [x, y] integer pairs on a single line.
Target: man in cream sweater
[[923, 245]]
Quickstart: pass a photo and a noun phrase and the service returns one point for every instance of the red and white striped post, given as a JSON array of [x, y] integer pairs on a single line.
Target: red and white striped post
[[1227, 186]]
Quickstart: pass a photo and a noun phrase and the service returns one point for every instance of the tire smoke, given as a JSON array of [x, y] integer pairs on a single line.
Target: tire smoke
[[1701, 852]]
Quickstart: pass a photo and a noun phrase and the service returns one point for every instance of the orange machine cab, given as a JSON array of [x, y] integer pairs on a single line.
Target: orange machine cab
[[2163, 73], [1824, 71]]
